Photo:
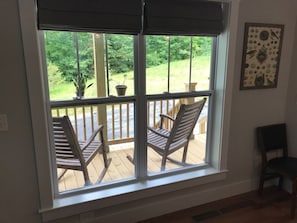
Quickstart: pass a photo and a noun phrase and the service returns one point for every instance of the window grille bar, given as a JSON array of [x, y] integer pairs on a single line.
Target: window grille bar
[[191, 57]]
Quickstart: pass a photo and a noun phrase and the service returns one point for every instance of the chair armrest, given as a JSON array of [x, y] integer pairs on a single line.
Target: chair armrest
[[99, 129], [167, 116], [163, 116], [158, 133]]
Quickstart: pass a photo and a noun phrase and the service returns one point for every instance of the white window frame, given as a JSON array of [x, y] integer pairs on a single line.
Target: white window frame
[[54, 208]]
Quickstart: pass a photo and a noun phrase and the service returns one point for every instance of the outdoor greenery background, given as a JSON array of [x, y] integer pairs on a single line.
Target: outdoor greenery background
[[63, 67]]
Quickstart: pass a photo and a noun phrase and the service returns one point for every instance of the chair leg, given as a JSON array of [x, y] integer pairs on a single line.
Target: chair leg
[[107, 162], [103, 172], [261, 183], [293, 199], [185, 154], [280, 182], [62, 174], [86, 176], [130, 159], [163, 163]]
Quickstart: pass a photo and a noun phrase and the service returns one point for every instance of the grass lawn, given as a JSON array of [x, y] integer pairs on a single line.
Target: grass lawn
[[156, 78]]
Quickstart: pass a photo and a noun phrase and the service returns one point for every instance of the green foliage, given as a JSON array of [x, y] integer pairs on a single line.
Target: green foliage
[[120, 53], [54, 75], [61, 51], [157, 48]]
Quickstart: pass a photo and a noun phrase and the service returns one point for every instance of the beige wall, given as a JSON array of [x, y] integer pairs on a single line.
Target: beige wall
[[251, 108], [19, 197], [291, 115]]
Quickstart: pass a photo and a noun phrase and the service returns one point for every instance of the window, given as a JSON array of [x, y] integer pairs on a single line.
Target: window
[[175, 67], [216, 158]]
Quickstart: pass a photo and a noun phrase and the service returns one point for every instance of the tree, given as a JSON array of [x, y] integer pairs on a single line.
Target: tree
[[61, 51], [120, 53], [156, 50]]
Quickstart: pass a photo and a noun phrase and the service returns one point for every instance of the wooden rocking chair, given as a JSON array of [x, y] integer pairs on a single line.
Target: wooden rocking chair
[[76, 155], [166, 142]]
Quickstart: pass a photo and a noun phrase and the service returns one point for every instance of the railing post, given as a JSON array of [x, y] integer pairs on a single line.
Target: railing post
[[190, 87]]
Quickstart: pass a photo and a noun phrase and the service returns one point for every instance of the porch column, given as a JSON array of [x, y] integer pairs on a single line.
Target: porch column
[[98, 42]]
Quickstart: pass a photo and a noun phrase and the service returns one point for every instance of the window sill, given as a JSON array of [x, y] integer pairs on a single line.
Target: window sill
[[90, 201]]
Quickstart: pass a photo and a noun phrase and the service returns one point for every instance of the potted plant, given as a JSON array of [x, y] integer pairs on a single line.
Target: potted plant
[[80, 83], [121, 88]]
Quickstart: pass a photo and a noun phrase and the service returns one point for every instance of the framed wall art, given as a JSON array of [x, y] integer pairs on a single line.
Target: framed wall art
[[261, 55]]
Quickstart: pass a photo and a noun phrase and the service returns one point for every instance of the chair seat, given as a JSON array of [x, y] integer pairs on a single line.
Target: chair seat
[[158, 142], [89, 152], [285, 165]]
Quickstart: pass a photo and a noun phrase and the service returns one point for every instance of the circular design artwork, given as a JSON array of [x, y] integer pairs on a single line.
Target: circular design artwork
[[261, 55], [264, 35]]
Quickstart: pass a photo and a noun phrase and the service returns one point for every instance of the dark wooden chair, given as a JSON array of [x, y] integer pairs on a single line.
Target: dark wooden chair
[[76, 155], [166, 142], [271, 138]]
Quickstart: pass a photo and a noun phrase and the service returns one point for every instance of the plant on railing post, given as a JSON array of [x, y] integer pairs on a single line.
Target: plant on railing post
[[80, 82]]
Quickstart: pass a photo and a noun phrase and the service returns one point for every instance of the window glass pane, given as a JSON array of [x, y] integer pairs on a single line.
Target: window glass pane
[[118, 133], [196, 150], [179, 63], [103, 62], [172, 62], [157, 64], [201, 62], [67, 55], [120, 63]]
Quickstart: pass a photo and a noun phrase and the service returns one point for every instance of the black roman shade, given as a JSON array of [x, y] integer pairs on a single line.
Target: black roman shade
[[116, 16], [161, 17], [187, 17]]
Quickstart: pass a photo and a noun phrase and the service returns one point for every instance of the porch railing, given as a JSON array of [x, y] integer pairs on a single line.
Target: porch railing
[[118, 119]]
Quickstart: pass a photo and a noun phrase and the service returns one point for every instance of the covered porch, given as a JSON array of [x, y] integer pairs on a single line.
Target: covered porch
[[118, 122], [121, 168]]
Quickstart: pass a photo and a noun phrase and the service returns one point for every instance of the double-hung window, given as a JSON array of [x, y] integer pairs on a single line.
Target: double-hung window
[[178, 70], [163, 58]]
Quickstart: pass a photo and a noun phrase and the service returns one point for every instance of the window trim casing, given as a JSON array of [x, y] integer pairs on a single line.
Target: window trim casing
[[38, 106]]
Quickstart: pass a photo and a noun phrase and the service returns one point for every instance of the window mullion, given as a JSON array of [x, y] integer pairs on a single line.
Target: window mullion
[[140, 151], [211, 98], [213, 62], [168, 58]]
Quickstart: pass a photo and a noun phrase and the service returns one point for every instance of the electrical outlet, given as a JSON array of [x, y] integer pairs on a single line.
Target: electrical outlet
[[3, 122]]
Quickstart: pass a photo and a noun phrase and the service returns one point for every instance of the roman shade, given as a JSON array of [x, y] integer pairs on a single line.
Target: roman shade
[[163, 17], [187, 17], [116, 16]]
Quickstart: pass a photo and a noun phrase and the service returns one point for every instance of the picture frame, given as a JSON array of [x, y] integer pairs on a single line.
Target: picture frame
[[261, 55]]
